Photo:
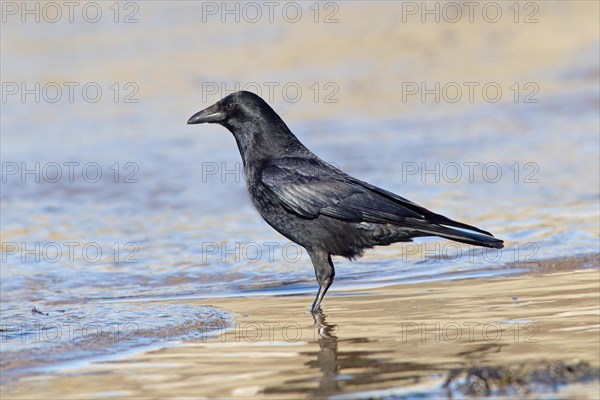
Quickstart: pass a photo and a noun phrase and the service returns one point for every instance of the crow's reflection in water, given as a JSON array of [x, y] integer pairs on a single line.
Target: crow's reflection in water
[[327, 358]]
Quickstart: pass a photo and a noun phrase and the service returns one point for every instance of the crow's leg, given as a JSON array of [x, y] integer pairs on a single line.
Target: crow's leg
[[324, 272]]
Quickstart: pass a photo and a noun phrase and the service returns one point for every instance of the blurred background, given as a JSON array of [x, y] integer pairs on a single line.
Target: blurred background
[[487, 113]]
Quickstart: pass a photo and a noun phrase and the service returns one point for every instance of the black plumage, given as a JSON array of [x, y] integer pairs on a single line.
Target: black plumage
[[316, 205]]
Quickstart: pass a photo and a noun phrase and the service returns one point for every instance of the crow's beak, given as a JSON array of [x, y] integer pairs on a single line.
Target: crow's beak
[[210, 114]]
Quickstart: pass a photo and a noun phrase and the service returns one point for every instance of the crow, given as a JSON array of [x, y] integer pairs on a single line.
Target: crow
[[316, 205]]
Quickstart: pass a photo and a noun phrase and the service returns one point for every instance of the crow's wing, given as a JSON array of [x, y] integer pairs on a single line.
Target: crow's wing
[[310, 187]]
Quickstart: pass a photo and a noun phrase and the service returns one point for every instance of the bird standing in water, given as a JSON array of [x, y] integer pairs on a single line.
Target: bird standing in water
[[316, 205]]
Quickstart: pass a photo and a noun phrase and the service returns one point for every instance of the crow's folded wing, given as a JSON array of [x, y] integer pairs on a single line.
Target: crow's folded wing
[[311, 187]]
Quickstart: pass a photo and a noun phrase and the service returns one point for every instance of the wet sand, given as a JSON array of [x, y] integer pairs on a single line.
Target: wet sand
[[391, 340]]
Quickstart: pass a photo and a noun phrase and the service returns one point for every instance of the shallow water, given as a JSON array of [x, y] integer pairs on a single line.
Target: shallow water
[[416, 338], [169, 217]]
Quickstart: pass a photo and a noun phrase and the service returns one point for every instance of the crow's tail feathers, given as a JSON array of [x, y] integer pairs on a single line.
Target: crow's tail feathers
[[475, 239], [463, 236]]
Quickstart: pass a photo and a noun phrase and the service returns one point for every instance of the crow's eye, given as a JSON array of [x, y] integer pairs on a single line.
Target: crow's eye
[[230, 106]]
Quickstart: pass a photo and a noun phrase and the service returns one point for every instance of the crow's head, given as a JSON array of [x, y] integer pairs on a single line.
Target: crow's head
[[235, 110], [253, 123]]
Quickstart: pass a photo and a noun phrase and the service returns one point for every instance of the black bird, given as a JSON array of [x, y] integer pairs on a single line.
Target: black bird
[[315, 204]]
